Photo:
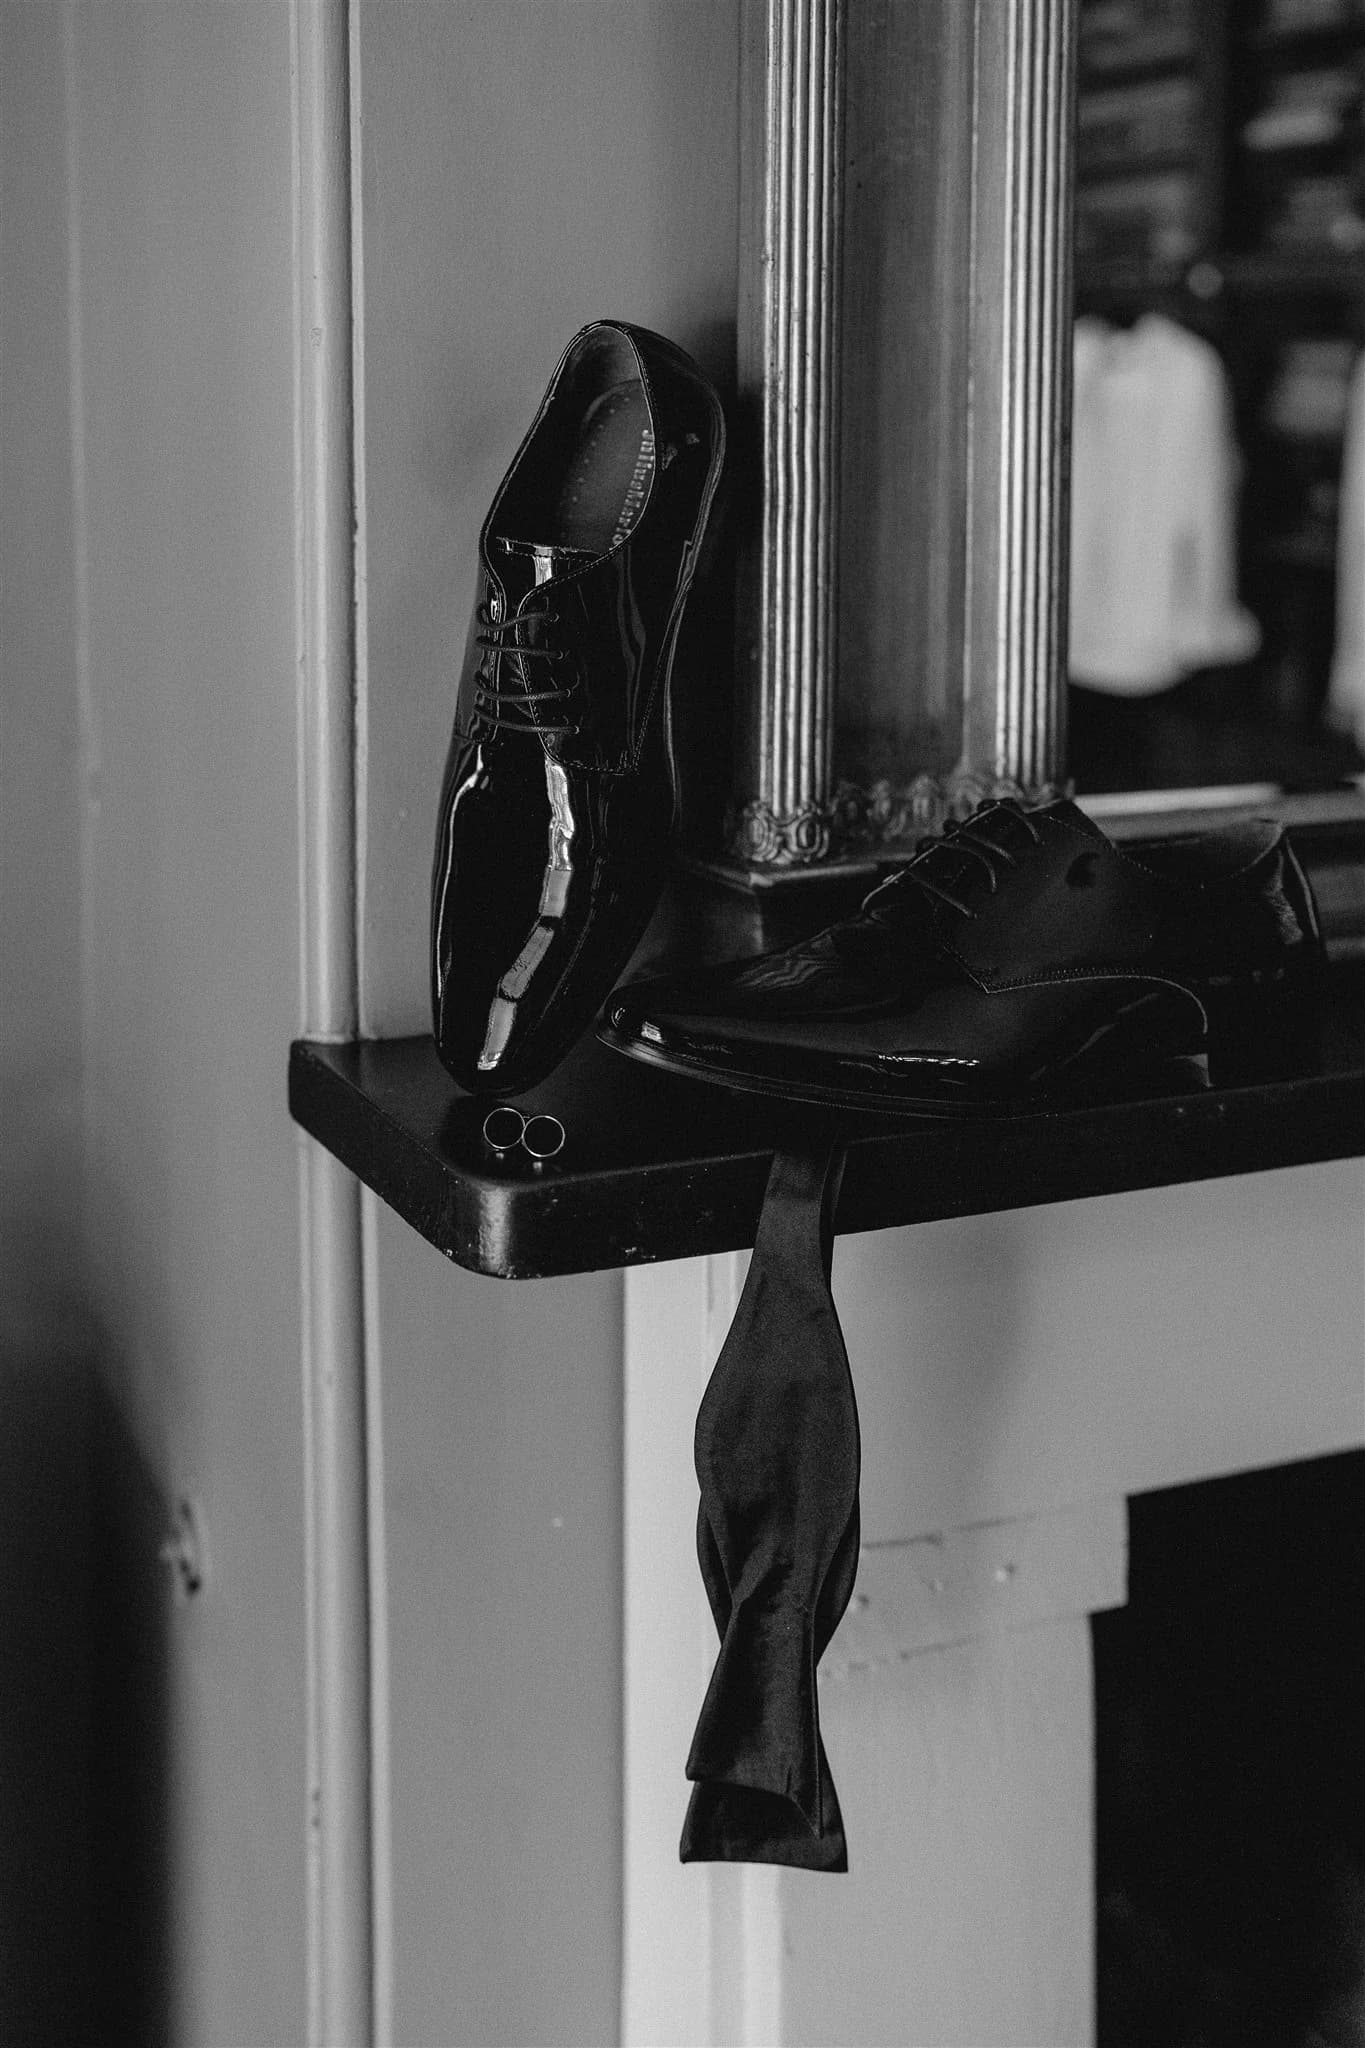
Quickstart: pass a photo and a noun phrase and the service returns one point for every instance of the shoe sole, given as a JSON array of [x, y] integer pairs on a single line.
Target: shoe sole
[[1176, 1074]]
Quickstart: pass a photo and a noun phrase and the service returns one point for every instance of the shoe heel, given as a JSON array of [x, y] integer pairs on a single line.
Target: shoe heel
[[1263, 1027]]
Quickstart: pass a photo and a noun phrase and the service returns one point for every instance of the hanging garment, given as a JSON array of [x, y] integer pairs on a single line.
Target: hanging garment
[[1346, 691], [1153, 511]]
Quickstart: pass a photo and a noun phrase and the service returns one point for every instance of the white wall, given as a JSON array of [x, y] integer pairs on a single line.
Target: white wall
[[183, 406], [526, 167], [1011, 1364]]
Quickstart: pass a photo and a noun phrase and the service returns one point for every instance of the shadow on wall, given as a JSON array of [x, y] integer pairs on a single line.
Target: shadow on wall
[[84, 1891], [130, 1790]]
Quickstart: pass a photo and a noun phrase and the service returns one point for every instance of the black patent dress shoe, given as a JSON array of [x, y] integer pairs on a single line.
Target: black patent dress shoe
[[1020, 961], [558, 801]]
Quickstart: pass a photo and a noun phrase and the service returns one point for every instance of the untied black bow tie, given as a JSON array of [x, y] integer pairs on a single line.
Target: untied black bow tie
[[777, 1457]]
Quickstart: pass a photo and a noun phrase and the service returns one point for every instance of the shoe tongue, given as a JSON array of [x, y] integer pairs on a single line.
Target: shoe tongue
[[530, 563], [1067, 813]]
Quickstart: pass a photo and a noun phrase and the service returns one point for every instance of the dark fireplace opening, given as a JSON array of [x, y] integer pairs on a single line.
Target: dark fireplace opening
[[1230, 1767]]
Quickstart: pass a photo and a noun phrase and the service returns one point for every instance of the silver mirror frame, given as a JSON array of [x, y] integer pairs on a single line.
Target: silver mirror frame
[[1010, 107]]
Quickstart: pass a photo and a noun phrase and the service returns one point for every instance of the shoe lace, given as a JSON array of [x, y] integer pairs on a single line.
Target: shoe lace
[[509, 648], [936, 870]]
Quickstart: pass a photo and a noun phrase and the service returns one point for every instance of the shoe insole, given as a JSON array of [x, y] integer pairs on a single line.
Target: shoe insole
[[608, 473]]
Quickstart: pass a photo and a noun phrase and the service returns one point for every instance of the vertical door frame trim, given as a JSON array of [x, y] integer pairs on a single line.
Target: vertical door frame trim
[[341, 1830]]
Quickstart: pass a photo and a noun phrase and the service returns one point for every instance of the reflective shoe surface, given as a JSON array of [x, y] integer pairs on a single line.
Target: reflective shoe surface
[[558, 799], [1021, 959]]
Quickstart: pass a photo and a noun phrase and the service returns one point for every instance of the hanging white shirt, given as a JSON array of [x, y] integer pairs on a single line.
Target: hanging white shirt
[[1153, 511], [1346, 690]]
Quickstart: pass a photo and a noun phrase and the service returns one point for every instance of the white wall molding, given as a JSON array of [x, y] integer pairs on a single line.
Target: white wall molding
[[668, 1636], [702, 1942], [340, 1818], [958, 1584]]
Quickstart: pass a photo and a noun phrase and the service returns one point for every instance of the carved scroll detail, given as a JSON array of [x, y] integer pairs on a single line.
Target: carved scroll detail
[[763, 837], [885, 818]]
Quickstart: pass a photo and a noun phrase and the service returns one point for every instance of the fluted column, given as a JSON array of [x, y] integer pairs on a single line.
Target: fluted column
[[789, 389], [1013, 712], [956, 390]]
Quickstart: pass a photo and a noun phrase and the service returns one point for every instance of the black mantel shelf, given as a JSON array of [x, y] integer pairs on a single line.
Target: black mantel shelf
[[662, 1168]]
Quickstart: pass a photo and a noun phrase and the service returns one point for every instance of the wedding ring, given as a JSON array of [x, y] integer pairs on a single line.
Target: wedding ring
[[542, 1137], [503, 1128]]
